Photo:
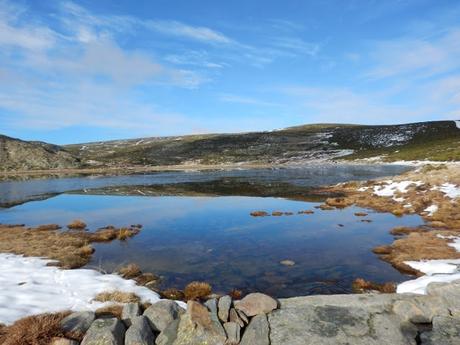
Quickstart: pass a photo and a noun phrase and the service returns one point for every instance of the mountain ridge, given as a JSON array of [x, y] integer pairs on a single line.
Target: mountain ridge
[[435, 140]]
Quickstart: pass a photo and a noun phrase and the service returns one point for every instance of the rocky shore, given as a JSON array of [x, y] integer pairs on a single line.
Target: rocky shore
[[257, 319]]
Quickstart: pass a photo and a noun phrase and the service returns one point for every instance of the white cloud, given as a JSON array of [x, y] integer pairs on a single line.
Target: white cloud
[[230, 98], [417, 56]]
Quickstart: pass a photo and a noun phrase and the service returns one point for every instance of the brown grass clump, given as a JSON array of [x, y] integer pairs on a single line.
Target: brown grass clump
[[77, 225], [130, 271], [149, 280], [125, 233], [47, 227], [405, 230], [415, 247], [117, 296], [113, 310], [360, 286], [110, 234], [361, 214], [33, 330], [259, 214], [173, 293], [325, 207], [277, 213], [71, 249], [235, 294], [339, 202], [306, 212], [197, 290]]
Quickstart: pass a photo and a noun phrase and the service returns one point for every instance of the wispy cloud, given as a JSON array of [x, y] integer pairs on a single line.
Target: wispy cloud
[[231, 98]]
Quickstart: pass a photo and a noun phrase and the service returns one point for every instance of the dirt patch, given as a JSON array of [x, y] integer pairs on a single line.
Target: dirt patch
[[71, 249]]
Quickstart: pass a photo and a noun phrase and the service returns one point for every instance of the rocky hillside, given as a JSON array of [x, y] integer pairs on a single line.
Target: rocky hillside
[[439, 141], [427, 140], [17, 154]]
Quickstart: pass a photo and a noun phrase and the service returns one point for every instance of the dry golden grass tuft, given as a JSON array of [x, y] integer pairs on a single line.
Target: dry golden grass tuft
[[130, 271], [71, 249], [47, 227], [173, 293], [77, 224], [235, 294], [360, 286], [110, 311], [197, 290], [33, 330], [117, 297]]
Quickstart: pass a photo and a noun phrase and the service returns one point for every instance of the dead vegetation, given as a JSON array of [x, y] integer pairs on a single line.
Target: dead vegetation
[[77, 225], [362, 286], [113, 310], [33, 330], [117, 297], [259, 214], [70, 249], [197, 290]]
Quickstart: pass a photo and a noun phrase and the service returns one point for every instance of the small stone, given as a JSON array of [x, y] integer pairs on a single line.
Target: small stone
[[287, 262], [225, 303], [169, 334], [257, 332], [233, 331], [63, 341], [129, 312], [233, 316], [256, 303], [140, 332], [76, 324], [162, 313], [105, 332]]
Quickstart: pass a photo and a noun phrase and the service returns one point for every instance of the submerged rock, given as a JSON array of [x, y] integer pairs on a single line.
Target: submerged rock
[[256, 303]]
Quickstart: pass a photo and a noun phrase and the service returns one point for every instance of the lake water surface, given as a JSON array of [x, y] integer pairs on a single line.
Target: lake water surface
[[197, 226]]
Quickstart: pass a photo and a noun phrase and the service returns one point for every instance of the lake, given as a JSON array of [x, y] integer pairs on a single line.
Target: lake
[[197, 226]]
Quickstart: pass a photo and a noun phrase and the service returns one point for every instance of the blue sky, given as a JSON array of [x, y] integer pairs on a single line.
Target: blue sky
[[76, 71]]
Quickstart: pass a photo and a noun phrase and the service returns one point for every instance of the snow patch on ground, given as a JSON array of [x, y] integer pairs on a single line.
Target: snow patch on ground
[[436, 271], [28, 287], [392, 187], [449, 189], [457, 123], [444, 271], [431, 210]]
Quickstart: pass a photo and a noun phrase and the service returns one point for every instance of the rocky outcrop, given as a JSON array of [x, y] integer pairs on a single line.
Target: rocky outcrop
[[365, 319]]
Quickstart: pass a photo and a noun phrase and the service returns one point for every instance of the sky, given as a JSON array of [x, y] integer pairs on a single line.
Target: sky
[[90, 70]]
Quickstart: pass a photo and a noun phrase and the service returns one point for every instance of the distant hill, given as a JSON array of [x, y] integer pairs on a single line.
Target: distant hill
[[17, 154], [438, 141]]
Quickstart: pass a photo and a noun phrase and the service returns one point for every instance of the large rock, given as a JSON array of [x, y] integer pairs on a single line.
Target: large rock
[[257, 332], [233, 331], [256, 303], [211, 304], [446, 331], [169, 334], [340, 320], [162, 313], [105, 332], [129, 312], [197, 327], [76, 324], [225, 302], [140, 332], [234, 317]]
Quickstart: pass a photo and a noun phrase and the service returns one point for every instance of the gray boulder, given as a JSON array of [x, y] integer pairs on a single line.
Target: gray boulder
[[256, 303], [169, 334], [105, 332], [129, 312], [225, 302], [446, 331], [162, 313], [140, 332], [76, 324], [197, 327], [257, 332], [233, 331]]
